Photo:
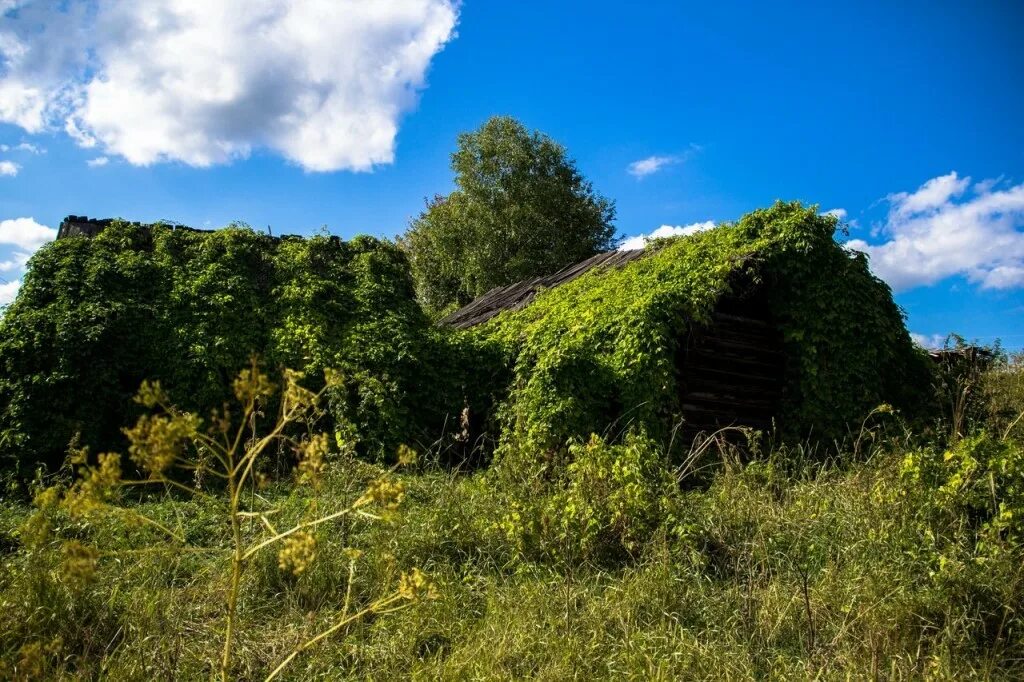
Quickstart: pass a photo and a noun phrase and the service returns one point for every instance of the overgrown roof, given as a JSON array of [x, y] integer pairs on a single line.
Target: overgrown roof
[[515, 296], [602, 348]]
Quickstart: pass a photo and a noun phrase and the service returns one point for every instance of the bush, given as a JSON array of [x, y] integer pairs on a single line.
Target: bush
[[979, 481]]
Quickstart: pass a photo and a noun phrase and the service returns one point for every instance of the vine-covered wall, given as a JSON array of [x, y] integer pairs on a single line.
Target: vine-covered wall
[[598, 353], [95, 316]]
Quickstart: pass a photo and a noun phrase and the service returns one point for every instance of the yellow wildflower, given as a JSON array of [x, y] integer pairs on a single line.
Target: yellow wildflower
[[252, 384], [80, 561], [297, 553], [157, 441], [312, 458], [415, 585], [406, 455]]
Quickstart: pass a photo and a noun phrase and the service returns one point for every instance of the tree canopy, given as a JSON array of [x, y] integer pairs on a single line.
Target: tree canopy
[[521, 209]]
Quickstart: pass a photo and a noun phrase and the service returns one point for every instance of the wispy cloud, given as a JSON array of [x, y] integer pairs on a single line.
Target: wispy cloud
[[938, 231], [9, 168], [652, 164], [640, 240], [17, 261], [838, 213], [22, 147], [26, 235], [323, 83], [97, 162], [641, 168]]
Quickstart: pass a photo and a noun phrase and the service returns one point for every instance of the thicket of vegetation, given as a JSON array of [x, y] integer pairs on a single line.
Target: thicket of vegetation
[[321, 515], [95, 317], [98, 316]]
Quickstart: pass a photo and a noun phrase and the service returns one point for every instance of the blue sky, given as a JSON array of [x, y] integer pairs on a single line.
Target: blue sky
[[343, 113]]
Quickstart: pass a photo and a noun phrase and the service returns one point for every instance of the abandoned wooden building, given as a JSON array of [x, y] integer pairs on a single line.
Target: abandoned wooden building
[[731, 372]]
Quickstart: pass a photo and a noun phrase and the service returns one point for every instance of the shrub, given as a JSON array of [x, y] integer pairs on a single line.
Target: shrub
[[600, 503], [1003, 393], [610, 499], [978, 480]]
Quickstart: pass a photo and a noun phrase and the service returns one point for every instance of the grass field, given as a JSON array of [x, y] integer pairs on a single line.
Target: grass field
[[901, 558]]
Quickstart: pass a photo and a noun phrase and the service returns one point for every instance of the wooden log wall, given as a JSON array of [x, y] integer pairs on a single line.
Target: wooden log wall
[[732, 371]]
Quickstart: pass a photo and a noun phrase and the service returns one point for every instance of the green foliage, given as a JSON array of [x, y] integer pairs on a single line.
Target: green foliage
[[600, 504], [169, 446], [601, 349], [97, 316], [521, 209], [611, 499], [979, 480], [577, 556]]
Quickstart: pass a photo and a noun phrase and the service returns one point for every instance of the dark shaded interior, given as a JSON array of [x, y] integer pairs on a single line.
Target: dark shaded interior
[[731, 372]]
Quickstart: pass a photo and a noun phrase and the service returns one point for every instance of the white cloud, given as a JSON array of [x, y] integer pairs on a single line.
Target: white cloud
[[839, 213], [650, 165], [8, 290], [322, 82], [933, 194], [935, 233], [25, 233], [988, 184], [97, 162], [640, 240], [9, 168]]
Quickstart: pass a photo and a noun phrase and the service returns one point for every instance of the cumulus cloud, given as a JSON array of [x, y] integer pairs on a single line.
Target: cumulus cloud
[[939, 231], [322, 82], [838, 213], [9, 168], [640, 240], [650, 165], [97, 162], [25, 233]]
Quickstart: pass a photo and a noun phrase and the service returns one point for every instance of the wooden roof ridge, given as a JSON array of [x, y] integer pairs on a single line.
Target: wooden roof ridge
[[519, 294]]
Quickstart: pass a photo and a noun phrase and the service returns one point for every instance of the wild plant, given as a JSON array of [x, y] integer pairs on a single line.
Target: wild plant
[[220, 461]]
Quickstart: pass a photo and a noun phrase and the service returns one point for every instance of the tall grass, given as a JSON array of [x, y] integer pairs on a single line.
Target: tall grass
[[905, 561]]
